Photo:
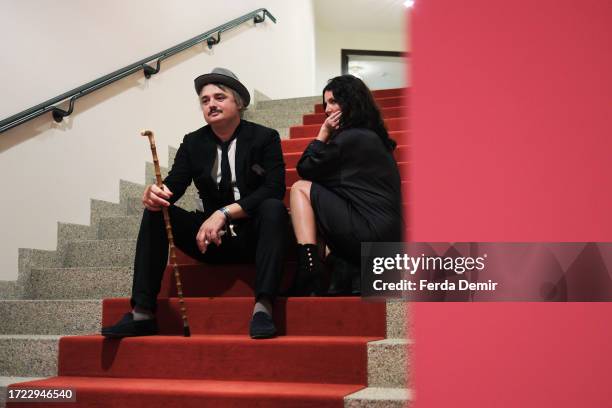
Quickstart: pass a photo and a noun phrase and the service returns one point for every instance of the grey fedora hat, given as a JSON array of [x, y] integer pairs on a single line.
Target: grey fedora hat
[[225, 77]]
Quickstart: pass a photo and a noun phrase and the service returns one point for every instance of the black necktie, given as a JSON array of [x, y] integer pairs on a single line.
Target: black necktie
[[226, 191]]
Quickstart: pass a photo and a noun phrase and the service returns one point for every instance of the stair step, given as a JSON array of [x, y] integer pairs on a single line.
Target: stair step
[[125, 227], [391, 92], [382, 102], [293, 316], [79, 283], [219, 357], [388, 363], [171, 155], [387, 113], [106, 392], [284, 117], [98, 253], [150, 177], [129, 189], [41, 258], [392, 124], [50, 316], [10, 290], [304, 104], [28, 355], [101, 208], [283, 112], [68, 231], [294, 145], [399, 323], [378, 397], [134, 206]]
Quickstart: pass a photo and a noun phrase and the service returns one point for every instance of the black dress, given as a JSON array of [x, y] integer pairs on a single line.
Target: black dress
[[356, 191]]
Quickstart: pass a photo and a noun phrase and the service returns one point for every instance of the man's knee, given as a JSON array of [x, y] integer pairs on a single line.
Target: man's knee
[[272, 209], [155, 219], [148, 215]]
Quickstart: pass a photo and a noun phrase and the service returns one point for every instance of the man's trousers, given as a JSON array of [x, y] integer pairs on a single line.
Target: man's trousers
[[261, 238]]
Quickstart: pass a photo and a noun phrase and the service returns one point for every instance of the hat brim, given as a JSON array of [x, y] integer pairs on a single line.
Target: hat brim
[[237, 86]]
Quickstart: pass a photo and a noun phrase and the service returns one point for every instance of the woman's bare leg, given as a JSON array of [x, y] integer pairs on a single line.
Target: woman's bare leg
[[302, 215]]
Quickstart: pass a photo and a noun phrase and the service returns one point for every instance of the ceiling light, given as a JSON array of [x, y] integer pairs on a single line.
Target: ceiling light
[[409, 3]]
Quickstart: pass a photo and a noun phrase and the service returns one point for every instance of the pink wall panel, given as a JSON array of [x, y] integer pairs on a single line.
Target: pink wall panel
[[511, 139]]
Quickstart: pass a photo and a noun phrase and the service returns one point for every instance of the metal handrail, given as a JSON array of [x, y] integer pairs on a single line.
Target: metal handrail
[[212, 37]]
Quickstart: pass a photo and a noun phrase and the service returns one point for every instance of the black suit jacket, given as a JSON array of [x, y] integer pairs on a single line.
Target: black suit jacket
[[260, 169]]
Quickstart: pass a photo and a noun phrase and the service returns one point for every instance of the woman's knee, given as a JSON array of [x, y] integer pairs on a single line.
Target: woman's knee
[[301, 187]]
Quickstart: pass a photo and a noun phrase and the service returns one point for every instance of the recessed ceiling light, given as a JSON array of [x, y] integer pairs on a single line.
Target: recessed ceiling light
[[409, 3]]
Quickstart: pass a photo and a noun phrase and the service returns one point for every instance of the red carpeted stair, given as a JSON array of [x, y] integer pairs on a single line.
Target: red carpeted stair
[[181, 393], [319, 357]]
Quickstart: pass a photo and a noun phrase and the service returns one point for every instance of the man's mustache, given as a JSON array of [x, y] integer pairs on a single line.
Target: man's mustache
[[214, 110]]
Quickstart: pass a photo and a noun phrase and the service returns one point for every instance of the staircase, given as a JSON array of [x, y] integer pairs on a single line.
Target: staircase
[[331, 352]]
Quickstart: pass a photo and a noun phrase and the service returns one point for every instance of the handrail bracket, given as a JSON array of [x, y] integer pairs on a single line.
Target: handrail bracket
[[149, 70], [59, 113], [213, 41]]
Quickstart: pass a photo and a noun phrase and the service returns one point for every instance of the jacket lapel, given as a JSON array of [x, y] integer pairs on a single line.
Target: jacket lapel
[[243, 146], [209, 147]]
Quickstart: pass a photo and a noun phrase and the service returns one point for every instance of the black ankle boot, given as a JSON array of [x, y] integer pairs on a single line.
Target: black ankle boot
[[309, 272], [345, 278]]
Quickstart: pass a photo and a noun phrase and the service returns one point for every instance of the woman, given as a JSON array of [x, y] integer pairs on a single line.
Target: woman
[[350, 188]]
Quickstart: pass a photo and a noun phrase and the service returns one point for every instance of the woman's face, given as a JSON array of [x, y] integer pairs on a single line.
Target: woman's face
[[331, 106]]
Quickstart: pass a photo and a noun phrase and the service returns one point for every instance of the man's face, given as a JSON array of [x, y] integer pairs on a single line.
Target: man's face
[[218, 105]]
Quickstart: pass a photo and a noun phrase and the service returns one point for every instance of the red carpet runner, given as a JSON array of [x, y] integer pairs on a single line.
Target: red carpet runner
[[319, 357]]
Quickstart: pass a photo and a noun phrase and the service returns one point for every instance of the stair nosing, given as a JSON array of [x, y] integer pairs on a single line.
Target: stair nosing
[[32, 336], [78, 268]]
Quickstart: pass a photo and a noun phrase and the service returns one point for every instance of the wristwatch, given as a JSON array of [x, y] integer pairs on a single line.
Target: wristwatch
[[225, 211]]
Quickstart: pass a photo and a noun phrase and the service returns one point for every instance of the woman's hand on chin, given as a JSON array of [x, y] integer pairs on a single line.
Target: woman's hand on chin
[[332, 122]]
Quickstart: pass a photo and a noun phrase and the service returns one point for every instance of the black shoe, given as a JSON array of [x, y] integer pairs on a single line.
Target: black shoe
[[262, 326], [128, 327], [308, 274], [345, 278]]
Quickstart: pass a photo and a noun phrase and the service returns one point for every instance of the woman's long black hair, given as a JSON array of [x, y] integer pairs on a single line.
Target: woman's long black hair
[[358, 107]]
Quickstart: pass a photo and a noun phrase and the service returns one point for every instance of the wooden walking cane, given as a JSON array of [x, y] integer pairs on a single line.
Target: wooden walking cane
[[177, 276]]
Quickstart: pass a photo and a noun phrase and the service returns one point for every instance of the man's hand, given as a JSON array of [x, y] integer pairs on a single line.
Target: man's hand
[[332, 122], [154, 197], [210, 231]]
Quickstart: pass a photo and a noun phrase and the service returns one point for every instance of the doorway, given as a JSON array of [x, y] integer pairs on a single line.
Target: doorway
[[378, 69]]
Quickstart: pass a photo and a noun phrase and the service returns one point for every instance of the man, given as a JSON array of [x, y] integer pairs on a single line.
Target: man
[[238, 169]]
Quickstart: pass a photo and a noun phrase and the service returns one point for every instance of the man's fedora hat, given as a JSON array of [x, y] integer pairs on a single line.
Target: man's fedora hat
[[225, 77]]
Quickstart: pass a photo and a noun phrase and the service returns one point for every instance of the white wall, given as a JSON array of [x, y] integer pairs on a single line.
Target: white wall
[[50, 171], [330, 43]]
